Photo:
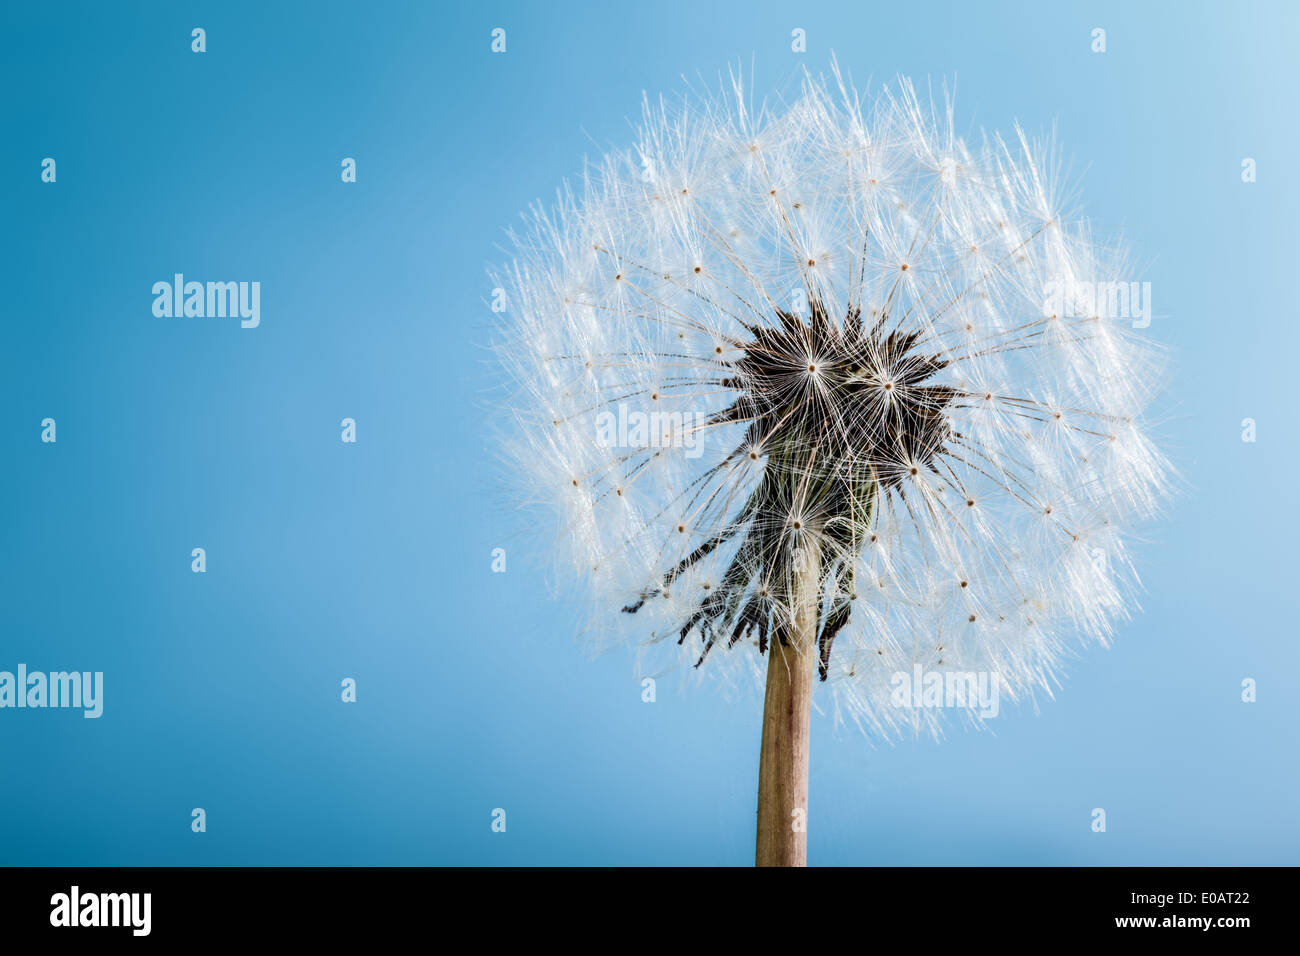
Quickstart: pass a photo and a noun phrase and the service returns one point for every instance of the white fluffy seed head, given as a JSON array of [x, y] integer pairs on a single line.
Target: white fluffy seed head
[[650, 406]]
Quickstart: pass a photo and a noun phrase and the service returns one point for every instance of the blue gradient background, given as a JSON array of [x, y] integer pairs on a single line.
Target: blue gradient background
[[372, 560]]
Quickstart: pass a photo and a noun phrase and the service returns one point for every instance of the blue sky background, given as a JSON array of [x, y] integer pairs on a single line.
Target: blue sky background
[[372, 560]]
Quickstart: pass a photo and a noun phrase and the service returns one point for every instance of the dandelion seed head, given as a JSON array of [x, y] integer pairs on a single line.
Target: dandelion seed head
[[816, 332]]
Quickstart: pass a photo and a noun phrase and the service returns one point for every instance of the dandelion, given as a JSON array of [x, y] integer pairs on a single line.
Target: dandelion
[[791, 382]]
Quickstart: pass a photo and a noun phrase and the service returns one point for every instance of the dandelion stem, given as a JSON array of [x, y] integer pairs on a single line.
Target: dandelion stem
[[782, 838]]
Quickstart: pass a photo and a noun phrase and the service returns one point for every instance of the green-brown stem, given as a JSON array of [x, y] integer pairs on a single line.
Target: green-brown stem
[[782, 837]]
